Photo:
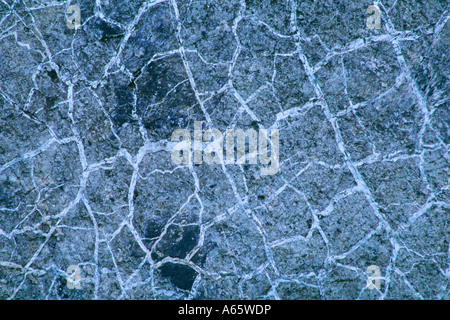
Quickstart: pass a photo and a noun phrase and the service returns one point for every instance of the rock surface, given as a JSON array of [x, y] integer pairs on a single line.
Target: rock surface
[[92, 207]]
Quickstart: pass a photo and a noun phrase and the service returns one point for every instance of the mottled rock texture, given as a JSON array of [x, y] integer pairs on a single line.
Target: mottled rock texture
[[86, 177]]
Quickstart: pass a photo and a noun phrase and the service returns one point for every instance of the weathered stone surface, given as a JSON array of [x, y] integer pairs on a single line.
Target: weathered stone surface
[[86, 177]]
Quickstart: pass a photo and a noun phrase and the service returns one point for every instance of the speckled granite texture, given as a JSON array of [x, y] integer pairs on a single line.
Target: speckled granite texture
[[92, 206]]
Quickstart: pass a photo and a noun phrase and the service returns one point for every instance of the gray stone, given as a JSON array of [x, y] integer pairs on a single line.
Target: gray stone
[[86, 177]]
